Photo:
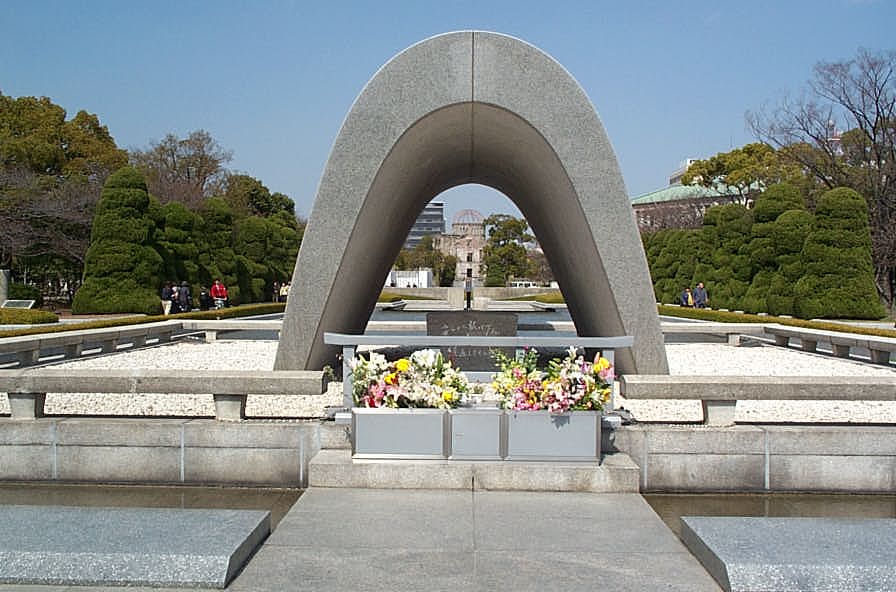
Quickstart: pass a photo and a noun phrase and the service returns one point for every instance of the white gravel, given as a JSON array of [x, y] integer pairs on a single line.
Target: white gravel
[[691, 358]]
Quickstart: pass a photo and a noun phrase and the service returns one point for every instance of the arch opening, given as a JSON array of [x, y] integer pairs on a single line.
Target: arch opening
[[568, 188]]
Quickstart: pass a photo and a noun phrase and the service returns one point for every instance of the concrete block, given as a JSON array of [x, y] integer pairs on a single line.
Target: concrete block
[[840, 350], [64, 545], [26, 405], [249, 466], [230, 407], [205, 433], [40, 431], [28, 357], [705, 440], [831, 440], [26, 463], [118, 464], [718, 413], [879, 356], [334, 468], [616, 474], [120, 432], [705, 472], [832, 473], [73, 351], [745, 554], [333, 435], [628, 439]]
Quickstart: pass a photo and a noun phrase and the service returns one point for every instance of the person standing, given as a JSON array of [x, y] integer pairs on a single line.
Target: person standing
[[468, 292], [218, 294], [687, 299], [166, 299], [701, 298], [183, 297]]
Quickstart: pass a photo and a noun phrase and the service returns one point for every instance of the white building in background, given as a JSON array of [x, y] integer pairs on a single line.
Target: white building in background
[[431, 221], [466, 241], [412, 278]]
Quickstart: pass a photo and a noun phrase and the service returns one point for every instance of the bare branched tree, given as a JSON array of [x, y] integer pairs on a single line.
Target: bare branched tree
[[857, 96], [184, 170]]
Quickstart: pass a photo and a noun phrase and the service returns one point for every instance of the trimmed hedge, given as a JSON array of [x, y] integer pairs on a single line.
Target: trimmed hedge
[[224, 313], [121, 269], [839, 275], [22, 316]]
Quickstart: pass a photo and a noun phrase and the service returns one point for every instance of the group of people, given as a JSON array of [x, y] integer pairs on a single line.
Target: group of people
[[281, 291], [177, 298], [698, 298]]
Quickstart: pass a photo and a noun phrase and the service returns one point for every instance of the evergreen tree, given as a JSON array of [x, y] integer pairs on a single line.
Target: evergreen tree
[[764, 248], [839, 278], [122, 270]]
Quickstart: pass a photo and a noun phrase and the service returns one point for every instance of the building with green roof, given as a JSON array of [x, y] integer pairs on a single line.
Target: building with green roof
[[678, 206]]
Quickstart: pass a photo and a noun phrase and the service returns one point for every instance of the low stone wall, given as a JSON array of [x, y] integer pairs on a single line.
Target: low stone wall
[[671, 458], [760, 457], [186, 451]]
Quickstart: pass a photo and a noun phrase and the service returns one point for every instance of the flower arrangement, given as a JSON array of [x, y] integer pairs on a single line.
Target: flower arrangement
[[570, 384], [423, 379]]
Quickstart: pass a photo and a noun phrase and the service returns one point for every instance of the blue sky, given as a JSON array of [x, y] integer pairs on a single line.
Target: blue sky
[[272, 81]]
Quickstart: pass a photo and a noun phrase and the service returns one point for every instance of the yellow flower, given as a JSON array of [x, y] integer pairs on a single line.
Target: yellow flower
[[391, 378], [402, 365], [448, 396], [601, 363]]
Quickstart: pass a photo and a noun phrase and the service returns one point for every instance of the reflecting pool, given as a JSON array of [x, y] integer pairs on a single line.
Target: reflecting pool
[[671, 507], [277, 501]]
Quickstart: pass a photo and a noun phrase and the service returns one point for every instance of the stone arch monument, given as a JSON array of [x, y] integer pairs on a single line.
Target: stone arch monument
[[472, 107]]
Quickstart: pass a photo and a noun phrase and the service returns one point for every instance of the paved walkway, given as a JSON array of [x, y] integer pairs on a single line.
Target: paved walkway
[[368, 539], [374, 539]]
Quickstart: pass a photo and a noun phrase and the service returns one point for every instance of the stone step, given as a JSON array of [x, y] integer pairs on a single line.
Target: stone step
[[616, 473]]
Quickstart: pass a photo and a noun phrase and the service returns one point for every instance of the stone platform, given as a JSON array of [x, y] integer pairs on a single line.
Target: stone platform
[[127, 546], [616, 473], [794, 554]]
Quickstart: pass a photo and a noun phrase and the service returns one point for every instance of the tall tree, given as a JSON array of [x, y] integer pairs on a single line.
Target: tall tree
[[857, 95], [187, 170], [745, 171], [248, 196], [504, 254], [51, 173]]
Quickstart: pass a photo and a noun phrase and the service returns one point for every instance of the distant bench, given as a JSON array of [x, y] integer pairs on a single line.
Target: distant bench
[[732, 331], [881, 348], [27, 388], [29, 347], [213, 327], [719, 394]]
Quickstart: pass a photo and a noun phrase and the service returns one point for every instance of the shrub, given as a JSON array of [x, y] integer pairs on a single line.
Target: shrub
[[20, 316], [839, 278], [24, 292], [121, 270]]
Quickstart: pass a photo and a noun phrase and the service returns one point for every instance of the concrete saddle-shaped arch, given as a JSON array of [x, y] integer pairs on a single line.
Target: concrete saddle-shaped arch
[[472, 107]]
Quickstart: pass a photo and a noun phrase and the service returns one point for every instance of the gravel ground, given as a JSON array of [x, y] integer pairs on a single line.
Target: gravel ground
[[691, 358]]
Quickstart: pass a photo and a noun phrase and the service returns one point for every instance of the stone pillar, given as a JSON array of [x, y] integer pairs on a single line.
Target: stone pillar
[[4, 285]]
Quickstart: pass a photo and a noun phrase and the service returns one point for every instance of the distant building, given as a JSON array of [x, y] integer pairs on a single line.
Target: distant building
[[411, 278], [678, 206], [466, 241], [431, 221]]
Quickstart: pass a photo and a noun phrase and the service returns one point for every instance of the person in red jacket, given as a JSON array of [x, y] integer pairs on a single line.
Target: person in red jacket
[[218, 294]]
